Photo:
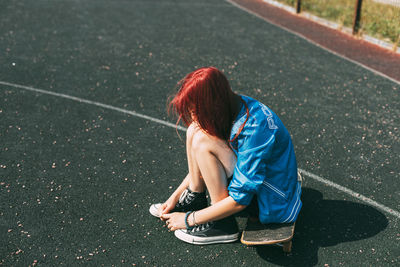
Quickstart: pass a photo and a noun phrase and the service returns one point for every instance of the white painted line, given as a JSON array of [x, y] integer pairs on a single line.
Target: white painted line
[[351, 193], [133, 113], [314, 43]]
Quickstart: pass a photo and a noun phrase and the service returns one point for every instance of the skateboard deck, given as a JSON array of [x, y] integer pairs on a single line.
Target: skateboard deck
[[257, 233]]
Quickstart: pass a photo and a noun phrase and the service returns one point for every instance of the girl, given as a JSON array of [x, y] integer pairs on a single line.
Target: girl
[[238, 150]]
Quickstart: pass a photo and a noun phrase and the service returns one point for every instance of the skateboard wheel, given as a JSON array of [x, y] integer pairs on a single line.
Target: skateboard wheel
[[287, 246]]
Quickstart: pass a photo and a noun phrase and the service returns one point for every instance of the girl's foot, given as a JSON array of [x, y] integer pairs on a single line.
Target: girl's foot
[[188, 201], [221, 231]]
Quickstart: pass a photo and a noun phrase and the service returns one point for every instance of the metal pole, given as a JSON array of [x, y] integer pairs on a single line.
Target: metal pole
[[298, 6], [357, 17]]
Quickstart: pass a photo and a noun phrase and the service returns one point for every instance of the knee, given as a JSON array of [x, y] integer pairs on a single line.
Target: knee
[[190, 132], [200, 141]]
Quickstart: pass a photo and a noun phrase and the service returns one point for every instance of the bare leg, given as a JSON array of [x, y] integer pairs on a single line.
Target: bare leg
[[210, 161], [196, 183]]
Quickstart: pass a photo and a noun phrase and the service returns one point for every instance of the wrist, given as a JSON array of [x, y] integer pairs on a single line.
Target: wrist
[[174, 197]]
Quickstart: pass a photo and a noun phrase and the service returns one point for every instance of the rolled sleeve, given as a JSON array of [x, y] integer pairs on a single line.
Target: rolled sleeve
[[241, 198], [239, 188], [250, 169]]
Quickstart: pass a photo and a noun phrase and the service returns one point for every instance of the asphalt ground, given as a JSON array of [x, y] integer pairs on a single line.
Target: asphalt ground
[[79, 174], [340, 42]]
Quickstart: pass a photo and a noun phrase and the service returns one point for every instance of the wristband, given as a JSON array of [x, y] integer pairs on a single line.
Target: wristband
[[186, 220]]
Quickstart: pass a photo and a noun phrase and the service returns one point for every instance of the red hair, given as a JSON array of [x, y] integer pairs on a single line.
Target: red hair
[[206, 94]]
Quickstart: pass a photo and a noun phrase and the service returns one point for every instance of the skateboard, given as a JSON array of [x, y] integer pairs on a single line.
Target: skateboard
[[257, 233]]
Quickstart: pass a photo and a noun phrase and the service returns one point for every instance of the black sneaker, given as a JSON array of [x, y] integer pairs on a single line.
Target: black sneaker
[[221, 231], [188, 201]]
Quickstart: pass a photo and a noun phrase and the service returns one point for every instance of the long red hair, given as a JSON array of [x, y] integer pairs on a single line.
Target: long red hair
[[206, 95]]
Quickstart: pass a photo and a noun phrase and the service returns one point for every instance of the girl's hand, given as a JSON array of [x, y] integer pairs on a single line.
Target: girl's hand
[[167, 206], [174, 220]]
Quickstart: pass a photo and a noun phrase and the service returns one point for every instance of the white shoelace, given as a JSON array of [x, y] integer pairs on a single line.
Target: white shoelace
[[186, 197]]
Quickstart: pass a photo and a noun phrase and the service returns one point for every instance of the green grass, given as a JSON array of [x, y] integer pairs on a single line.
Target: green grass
[[381, 21], [378, 20]]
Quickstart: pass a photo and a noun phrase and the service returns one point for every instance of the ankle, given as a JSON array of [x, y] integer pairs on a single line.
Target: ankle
[[196, 190]]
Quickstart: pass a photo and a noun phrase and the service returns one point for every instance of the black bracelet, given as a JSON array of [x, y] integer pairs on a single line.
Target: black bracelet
[[186, 220]]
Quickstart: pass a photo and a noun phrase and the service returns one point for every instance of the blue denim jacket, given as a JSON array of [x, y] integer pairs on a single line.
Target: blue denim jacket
[[266, 165]]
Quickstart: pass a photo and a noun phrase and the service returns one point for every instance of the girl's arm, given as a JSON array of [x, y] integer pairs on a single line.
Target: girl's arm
[[219, 210], [168, 205]]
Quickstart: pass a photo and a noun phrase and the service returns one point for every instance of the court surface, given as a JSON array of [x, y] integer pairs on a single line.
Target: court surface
[[87, 145]]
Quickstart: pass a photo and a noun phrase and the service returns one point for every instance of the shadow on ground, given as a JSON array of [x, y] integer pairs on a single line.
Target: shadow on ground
[[324, 223]]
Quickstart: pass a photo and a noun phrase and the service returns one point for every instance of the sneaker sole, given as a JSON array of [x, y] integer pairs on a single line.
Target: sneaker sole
[[182, 235], [154, 210]]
